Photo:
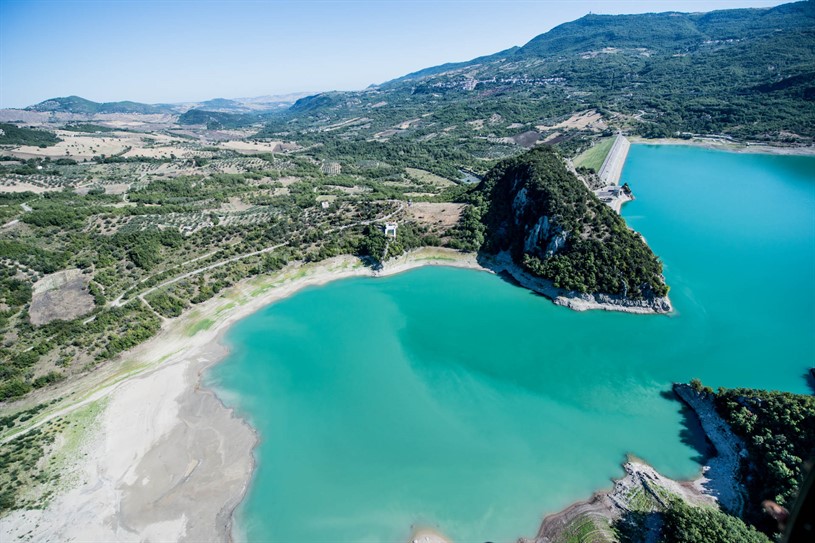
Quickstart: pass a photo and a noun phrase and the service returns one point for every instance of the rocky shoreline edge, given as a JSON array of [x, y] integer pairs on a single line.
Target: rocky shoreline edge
[[165, 441], [166, 459], [644, 490], [503, 263]]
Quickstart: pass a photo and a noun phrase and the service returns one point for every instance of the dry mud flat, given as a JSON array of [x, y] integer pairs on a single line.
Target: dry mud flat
[[166, 460]]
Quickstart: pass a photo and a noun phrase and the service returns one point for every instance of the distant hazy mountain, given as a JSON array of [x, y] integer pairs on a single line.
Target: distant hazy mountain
[[82, 106], [217, 120], [221, 104], [289, 98], [76, 104]]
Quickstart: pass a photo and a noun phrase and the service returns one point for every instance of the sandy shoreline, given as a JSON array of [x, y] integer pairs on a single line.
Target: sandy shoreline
[[168, 461], [727, 145]]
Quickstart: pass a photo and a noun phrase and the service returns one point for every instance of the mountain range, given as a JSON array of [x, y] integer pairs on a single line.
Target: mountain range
[[79, 105], [747, 74]]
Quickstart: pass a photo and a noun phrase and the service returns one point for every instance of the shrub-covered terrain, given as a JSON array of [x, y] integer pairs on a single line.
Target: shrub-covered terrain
[[685, 524], [779, 431], [536, 209], [11, 134]]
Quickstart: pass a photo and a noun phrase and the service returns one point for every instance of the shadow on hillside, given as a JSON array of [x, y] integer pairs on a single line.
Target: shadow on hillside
[[638, 526], [809, 377], [691, 432], [486, 261]]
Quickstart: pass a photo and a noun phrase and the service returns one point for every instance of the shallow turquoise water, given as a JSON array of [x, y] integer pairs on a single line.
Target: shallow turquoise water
[[451, 398]]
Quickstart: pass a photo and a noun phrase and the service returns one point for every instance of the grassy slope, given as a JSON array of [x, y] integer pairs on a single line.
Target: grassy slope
[[593, 157]]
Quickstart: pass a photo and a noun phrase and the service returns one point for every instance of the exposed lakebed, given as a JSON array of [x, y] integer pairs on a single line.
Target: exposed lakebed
[[453, 399]]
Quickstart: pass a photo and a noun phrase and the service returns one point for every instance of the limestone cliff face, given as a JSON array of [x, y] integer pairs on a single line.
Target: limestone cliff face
[[527, 225], [556, 229]]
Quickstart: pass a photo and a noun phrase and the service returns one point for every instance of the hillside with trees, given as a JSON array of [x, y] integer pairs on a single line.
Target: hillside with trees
[[742, 74], [553, 226], [11, 134], [778, 429], [79, 105]]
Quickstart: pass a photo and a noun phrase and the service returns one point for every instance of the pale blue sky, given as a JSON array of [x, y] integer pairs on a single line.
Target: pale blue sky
[[173, 51]]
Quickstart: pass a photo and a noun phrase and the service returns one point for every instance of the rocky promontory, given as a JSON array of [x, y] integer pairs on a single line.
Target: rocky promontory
[[562, 241], [642, 495]]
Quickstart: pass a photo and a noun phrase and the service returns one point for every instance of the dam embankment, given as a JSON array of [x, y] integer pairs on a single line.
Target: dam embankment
[[612, 167]]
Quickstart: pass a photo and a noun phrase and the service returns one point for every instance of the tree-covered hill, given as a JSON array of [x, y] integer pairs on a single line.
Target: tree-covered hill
[[216, 120], [11, 134], [778, 429], [558, 230], [77, 104], [743, 73]]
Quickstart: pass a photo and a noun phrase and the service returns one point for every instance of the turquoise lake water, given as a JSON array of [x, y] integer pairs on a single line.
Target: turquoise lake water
[[453, 399]]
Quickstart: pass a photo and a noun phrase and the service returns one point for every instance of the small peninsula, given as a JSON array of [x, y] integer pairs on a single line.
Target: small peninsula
[[552, 234], [756, 441], [213, 326]]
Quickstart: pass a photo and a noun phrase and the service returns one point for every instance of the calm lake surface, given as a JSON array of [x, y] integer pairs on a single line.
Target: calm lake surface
[[453, 399]]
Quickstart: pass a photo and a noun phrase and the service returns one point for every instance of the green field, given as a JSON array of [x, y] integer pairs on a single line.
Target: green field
[[593, 157]]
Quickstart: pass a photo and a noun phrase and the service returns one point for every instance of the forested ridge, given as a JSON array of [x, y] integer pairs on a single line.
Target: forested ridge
[[557, 229], [778, 429], [743, 73]]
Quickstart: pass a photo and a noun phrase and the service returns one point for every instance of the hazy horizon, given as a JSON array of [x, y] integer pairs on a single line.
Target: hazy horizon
[[183, 51]]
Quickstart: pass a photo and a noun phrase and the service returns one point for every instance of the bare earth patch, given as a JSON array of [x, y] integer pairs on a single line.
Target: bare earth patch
[[60, 296], [444, 214], [257, 146], [583, 120], [11, 185], [424, 176]]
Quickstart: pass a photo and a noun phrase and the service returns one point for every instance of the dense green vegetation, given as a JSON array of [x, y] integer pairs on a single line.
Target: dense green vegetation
[[166, 305], [32, 256], [215, 120], [11, 134], [779, 431], [76, 104], [88, 128], [686, 524], [557, 229]]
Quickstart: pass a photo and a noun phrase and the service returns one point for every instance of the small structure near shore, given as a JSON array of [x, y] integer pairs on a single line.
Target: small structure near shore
[[615, 196], [390, 229]]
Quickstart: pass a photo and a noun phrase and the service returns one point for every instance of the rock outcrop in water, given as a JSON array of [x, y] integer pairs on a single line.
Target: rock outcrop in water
[[639, 500], [721, 476], [556, 231]]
